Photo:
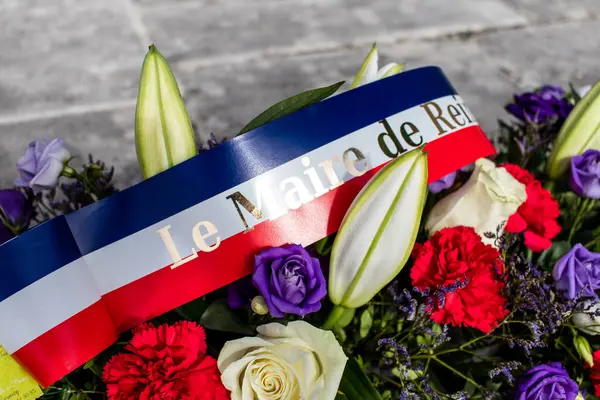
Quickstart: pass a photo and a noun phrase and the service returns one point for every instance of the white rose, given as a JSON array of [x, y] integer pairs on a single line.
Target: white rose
[[297, 361], [586, 321], [488, 198]]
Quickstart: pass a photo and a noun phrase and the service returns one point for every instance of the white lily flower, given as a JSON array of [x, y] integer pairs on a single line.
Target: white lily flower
[[370, 71]]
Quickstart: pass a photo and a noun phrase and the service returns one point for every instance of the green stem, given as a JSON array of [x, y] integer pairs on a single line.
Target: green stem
[[549, 185], [584, 207], [334, 317], [457, 372]]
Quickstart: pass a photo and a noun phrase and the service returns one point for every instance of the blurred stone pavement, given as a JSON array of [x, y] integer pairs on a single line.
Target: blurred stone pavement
[[70, 68]]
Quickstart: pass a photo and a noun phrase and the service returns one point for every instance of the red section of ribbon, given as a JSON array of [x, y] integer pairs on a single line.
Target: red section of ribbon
[[72, 343], [168, 288], [67, 346]]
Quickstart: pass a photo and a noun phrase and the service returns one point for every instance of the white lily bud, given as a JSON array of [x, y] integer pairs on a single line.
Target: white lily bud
[[370, 72], [580, 132], [586, 321], [378, 231], [259, 305], [163, 133]]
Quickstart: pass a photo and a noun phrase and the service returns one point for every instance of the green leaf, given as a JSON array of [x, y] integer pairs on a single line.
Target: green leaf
[[218, 317], [291, 105], [323, 246], [346, 318], [366, 322], [193, 310], [549, 257], [355, 384]]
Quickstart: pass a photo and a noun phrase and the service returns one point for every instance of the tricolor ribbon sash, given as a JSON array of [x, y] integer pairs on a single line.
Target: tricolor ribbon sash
[[71, 285]]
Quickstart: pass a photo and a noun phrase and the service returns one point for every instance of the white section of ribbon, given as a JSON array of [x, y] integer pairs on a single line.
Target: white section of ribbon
[[71, 289], [143, 253], [46, 303]]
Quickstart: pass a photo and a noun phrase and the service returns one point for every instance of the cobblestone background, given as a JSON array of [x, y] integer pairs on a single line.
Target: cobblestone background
[[70, 68]]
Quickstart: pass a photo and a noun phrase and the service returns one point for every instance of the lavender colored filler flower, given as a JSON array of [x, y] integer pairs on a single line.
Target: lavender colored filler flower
[[546, 381], [290, 280], [585, 174], [41, 165], [578, 271], [443, 183], [541, 106]]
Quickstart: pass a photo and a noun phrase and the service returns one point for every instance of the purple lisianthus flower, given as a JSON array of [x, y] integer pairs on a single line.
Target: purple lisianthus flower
[[541, 106], [443, 183], [585, 174], [16, 211], [577, 271], [290, 280], [41, 165], [545, 382], [241, 292]]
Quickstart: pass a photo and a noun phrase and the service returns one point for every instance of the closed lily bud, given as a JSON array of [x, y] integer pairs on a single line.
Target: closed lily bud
[[584, 349], [580, 132], [259, 305], [588, 320], [378, 232], [163, 133], [488, 199], [370, 72]]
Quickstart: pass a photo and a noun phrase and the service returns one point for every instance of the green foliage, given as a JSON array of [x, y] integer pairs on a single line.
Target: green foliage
[[290, 105]]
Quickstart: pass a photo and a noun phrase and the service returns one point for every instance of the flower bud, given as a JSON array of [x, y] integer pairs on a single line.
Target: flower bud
[[584, 349], [163, 133], [259, 305], [580, 132], [379, 231], [587, 321], [369, 71]]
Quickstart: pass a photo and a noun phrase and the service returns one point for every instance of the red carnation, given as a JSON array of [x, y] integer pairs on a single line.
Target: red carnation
[[165, 363], [537, 216], [462, 276], [595, 372]]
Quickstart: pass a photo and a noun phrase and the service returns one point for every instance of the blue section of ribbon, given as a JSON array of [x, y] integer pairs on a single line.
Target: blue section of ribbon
[[250, 155], [60, 241], [35, 254]]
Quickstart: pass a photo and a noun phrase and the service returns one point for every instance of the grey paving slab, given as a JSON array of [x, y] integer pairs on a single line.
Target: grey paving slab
[[57, 54], [221, 100], [557, 54], [108, 135], [223, 28], [556, 10]]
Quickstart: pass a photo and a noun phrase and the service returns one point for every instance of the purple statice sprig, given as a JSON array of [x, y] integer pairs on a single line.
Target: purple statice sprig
[[92, 183], [211, 143], [506, 369]]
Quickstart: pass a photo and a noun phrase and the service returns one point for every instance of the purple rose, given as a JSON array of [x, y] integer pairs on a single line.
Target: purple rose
[[443, 183], [577, 271], [541, 106], [16, 211], [585, 174], [41, 165], [240, 293], [546, 382], [290, 280]]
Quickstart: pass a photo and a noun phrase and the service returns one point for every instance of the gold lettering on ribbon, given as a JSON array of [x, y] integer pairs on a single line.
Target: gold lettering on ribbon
[[327, 165], [350, 164], [239, 199], [200, 238], [167, 240]]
